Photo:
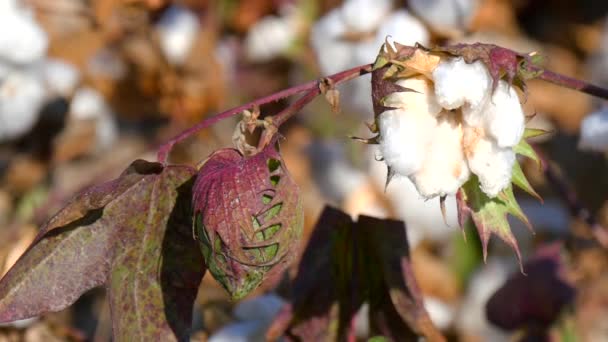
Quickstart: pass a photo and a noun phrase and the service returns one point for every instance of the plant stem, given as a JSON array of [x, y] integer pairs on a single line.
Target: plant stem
[[573, 83], [311, 87]]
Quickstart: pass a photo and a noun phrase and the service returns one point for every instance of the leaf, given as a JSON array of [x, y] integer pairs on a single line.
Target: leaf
[[346, 264], [248, 217], [131, 234], [518, 178], [526, 150], [490, 214], [537, 297]]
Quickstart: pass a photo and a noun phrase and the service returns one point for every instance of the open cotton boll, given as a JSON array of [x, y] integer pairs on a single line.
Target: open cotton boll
[[404, 28], [421, 99], [459, 84], [594, 132], [21, 98], [88, 104], [333, 53], [60, 77], [22, 41], [422, 217], [269, 37], [492, 164], [444, 168], [177, 30], [240, 332], [264, 307], [504, 116], [364, 15], [447, 16], [404, 136]]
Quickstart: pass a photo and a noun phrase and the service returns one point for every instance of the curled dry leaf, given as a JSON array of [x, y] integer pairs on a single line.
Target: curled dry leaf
[[248, 217]]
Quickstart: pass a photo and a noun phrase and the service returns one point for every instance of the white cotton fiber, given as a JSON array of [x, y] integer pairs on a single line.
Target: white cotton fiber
[[445, 15], [177, 30], [594, 132], [421, 99], [403, 28], [444, 168], [492, 164], [333, 53], [61, 78], [504, 117], [21, 98], [364, 15], [269, 37], [22, 40], [404, 137], [459, 84]]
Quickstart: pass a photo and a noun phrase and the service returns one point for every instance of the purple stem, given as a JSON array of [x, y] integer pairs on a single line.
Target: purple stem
[[573, 83], [313, 90]]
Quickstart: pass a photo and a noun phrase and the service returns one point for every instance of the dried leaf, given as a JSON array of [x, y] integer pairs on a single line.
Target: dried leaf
[[249, 217], [132, 234]]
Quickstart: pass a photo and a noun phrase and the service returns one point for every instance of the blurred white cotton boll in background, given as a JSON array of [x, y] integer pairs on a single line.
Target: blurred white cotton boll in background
[[445, 16], [272, 35], [248, 331], [22, 94], [594, 131], [422, 217], [362, 16], [88, 104], [264, 307], [177, 30], [441, 313], [22, 41], [61, 78]]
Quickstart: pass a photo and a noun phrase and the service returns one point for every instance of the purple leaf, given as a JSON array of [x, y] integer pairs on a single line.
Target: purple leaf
[[133, 234], [248, 217]]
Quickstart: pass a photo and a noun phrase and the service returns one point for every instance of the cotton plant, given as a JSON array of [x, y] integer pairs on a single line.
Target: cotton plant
[[349, 35], [594, 132], [449, 17], [177, 30]]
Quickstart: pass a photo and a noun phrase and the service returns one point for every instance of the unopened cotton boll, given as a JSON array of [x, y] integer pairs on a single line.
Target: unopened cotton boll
[[269, 37], [447, 16], [22, 41], [177, 30], [444, 168], [492, 164], [594, 132], [504, 116], [459, 84], [364, 15], [21, 98]]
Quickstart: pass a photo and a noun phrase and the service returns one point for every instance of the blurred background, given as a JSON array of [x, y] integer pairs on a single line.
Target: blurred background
[[87, 86]]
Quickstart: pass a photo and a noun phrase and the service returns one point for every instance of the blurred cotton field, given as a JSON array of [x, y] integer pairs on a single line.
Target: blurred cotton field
[[88, 86]]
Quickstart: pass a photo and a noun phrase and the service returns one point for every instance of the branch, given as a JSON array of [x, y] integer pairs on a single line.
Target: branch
[[311, 87], [572, 83]]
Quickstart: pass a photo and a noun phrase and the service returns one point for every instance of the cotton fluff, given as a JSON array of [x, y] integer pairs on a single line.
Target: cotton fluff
[[21, 98], [462, 126], [362, 16], [269, 37], [177, 30], [350, 35], [444, 168], [491, 163], [447, 16], [22, 41], [594, 132], [61, 78], [459, 84], [88, 104]]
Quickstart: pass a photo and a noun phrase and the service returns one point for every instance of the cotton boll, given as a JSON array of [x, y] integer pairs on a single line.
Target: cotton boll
[[21, 98], [421, 99], [333, 53], [23, 41], [88, 104], [404, 136], [447, 16], [364, 15], [504, 116], [492, 164], [60, 77], [441, 313], [459, 84], [594, 132], [444, 168], [269, 37], [177, 30], [247, 331], [422, 217], [403, 28]]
